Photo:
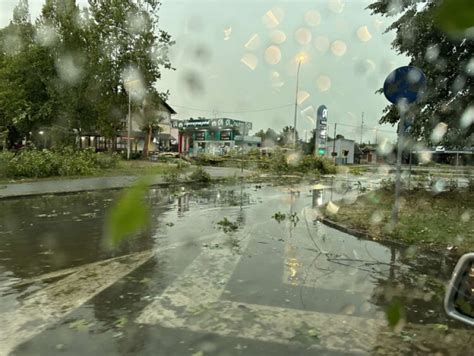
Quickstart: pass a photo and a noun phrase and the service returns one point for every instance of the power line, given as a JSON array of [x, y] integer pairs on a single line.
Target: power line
[[375, 128], [232, 112]]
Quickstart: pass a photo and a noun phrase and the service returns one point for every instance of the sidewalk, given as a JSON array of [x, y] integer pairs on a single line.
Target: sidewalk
[[62, 186]]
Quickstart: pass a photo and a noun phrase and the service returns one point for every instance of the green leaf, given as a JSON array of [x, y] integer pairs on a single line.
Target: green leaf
[[455, 16], [442, 327], [395, 313], [120, 323], [129, 214]]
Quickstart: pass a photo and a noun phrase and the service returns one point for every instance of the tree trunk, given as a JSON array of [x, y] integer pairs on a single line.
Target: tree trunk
[[147, 142]]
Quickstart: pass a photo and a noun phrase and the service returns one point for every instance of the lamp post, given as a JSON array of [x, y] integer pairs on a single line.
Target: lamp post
[[301, 58]]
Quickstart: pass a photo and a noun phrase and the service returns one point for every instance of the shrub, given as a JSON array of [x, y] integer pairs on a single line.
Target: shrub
[[278, 162], [200, 175], [312, 164], [66, 162]]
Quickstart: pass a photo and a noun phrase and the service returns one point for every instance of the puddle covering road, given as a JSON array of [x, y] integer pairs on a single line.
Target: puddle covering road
[[185, 286]]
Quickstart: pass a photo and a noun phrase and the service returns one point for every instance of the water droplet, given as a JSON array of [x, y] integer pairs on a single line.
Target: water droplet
[[338, 48], [459, 83], [363, 34], [336, 6], [227, 33], [378, 24], [432, 53], [277, 37], [276, 80], [273, 17], [273, 55], [332, 208], [253, 42], [323, 83], [321, 43], [348, 309], [69, 68], [414, 76], [309, 113], [302, 96], [136, 22], [385, 147], [312, 18], [394, 7], [438, 132], [470, 67], [303, 36], [46, 36], [376, 218], [439, 185], [467, 118], [250, 60], [424, 156], [465, 217]]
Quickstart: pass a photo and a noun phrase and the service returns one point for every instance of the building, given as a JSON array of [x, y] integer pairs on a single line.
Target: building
[[162, 139], [214, 136], [370, 155], [341, 150]]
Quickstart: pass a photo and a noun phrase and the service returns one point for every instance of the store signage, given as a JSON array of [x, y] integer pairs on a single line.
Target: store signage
[[214, 123], [200, 136], [225, 135]]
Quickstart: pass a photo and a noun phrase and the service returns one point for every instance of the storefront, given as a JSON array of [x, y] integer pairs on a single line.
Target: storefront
[[213, 136]]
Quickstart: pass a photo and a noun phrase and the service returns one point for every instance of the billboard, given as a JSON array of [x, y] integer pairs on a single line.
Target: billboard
[[321, 130]]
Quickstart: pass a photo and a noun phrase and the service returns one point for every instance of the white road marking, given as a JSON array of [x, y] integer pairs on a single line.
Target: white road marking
[[48, 305], [53, 302], [193, 302]]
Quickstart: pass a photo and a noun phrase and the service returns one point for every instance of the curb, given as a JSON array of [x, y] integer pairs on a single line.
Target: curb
[[455, 254], [359, 234], [96, 189]]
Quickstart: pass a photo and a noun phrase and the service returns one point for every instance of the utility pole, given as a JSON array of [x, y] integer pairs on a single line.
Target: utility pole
[[362, 128], [334, 143], [296, 101], [375, 136]]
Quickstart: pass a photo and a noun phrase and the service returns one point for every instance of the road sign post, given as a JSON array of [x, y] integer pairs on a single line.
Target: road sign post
[[402, 87]]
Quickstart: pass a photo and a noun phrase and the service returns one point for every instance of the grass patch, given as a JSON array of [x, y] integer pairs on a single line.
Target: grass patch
[[441, 220]]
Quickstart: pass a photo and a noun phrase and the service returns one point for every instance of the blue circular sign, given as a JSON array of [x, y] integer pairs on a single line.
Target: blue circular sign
[[404, 83]]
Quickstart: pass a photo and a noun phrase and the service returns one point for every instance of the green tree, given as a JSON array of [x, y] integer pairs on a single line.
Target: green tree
[[286, 136], [128, 47], [25, 71], [62, 30], [446, 61], [269, 137]]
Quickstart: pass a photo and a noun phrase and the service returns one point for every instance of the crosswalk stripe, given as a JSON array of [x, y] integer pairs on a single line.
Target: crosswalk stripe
[[193, 302]]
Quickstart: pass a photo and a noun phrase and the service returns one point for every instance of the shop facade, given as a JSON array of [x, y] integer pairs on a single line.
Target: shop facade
[[213, 136]]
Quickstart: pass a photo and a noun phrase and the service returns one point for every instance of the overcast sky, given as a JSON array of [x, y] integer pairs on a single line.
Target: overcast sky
[[235, 56]]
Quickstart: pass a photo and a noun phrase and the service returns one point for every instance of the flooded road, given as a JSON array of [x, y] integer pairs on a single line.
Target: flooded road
[[222, 270]]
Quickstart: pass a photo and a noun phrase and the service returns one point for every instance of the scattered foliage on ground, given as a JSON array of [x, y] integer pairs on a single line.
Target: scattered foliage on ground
[[45, 163]]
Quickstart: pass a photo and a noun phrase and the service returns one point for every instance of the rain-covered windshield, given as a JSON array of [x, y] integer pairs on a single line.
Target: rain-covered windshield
[[235, 177]]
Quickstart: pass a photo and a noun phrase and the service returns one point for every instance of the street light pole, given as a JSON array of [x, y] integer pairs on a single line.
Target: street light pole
[[296, 101]]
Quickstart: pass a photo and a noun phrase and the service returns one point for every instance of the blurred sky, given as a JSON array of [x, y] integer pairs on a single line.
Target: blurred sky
[[235, 56]]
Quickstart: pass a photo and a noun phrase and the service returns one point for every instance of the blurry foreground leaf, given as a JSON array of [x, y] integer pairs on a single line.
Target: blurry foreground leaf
[[120, 323], [455, 16], [80, 325], [129, 214], [395, 313], [442, 327]]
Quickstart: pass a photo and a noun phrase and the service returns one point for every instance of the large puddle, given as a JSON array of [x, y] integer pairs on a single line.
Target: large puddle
[[269, 279]]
